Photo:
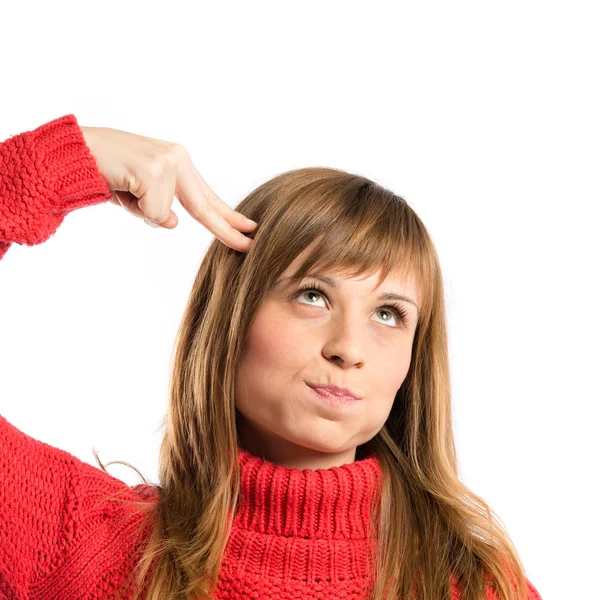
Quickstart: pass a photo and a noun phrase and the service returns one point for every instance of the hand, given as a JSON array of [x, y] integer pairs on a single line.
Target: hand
[[144, 174]]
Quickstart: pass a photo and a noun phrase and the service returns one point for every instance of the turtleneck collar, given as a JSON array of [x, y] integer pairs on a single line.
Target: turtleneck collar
[[333, 503], [304, 524]]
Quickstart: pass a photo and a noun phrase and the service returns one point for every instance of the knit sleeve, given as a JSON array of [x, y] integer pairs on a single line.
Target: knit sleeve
[[45, 174], [66, 528], [36, 498]]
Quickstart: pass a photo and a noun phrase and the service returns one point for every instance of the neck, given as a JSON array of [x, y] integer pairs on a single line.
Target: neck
[[280, 451]]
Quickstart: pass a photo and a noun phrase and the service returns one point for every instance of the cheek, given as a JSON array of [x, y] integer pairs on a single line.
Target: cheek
[[274, 341], [392, 368], [274, 359]]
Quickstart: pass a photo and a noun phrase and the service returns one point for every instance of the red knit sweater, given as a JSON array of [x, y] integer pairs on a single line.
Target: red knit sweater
[[298, 534]]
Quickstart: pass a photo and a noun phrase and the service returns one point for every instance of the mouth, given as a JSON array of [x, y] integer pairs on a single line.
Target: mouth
[[334, 391], [322, 396]]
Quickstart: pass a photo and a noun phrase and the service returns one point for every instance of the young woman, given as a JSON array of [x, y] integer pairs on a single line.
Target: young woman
[[308, 450]]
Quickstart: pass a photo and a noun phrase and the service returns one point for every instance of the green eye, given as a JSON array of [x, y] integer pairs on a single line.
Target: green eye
[[399, 311]]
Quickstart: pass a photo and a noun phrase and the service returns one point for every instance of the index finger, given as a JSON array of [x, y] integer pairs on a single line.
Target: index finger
[[201, 202]]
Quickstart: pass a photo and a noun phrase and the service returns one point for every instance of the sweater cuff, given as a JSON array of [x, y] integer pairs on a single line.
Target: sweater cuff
[[69, 171]]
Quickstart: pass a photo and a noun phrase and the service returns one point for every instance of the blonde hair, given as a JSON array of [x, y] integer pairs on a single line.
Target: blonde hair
[[432, 528]]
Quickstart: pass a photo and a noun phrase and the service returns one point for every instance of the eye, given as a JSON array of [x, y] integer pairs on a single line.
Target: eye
[[397, 310]]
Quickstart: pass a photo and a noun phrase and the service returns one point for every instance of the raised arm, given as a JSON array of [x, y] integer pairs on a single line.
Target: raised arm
[[60, 166]]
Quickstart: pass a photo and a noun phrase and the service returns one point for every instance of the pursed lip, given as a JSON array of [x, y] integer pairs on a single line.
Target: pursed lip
[[334, 389]]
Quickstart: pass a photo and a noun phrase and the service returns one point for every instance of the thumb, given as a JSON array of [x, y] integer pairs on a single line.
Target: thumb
[[130, 203], [170, 223]]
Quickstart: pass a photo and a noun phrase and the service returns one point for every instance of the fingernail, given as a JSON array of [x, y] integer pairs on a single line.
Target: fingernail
[[251, 222], [151, 223]]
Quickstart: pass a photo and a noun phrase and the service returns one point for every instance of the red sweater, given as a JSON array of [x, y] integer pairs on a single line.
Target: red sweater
[[297, 534]]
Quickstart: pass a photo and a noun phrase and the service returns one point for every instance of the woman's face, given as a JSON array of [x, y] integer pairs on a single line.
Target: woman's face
[[343, 337]]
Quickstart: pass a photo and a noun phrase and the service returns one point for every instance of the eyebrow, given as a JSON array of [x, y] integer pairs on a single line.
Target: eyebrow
[[335, 284]]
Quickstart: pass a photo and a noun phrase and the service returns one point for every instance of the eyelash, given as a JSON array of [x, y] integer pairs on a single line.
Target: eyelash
[[400, 312]]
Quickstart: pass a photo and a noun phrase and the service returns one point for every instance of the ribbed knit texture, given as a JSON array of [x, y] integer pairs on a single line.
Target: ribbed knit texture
[[297, 534], [301, 533]]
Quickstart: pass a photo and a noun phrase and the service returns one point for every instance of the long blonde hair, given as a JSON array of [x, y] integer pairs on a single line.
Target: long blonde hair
[[431, 527]]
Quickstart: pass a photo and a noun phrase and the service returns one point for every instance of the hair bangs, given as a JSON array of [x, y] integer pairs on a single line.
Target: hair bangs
[[391, 243]]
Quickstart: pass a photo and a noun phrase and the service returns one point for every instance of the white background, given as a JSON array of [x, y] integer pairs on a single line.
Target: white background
[[484, 116]]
